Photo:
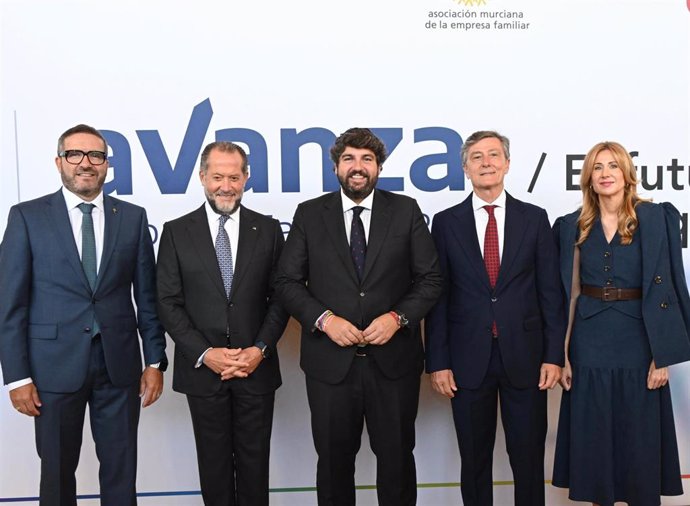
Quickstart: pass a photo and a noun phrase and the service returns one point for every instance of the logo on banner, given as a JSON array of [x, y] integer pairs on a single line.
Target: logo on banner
[[471, 3]]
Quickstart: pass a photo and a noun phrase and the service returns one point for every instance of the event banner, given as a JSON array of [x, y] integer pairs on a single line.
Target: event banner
[[161, 79]]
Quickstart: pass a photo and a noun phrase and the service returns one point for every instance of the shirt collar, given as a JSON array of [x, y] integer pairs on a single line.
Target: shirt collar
[[478, 203], [214, 216], [348, 203], [72, 200]]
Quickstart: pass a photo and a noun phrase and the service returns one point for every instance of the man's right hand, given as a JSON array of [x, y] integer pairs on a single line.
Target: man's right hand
[[444, 382], [25, 400], [225, 361], [342, 332]]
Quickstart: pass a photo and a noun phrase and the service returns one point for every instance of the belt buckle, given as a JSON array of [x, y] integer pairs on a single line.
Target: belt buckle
[[609, 293]]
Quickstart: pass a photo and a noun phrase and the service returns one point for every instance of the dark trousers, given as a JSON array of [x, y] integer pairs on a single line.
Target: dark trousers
[[523, 413], [338, 412], [233, 441], [114, 417]]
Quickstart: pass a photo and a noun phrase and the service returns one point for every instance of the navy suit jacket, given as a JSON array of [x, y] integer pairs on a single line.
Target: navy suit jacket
[[400, 273], [47, 307], [196, 312], [665, 299], [526, 302]]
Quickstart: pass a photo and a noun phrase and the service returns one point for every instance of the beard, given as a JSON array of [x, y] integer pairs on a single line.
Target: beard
[[359, 193], [86, 189], [223, 208]]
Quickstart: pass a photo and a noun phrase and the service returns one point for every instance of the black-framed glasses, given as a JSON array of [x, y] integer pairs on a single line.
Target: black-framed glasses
[[75, 156]]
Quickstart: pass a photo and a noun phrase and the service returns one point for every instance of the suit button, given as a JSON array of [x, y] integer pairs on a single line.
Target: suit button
[[609, 282], [231, 304], [361, 294], [87, 329], [494, 299], [664, 305], [607, 268], [657, 280], [607, 254]]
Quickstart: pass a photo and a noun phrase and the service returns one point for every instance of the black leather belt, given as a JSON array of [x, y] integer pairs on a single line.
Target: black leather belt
[[362, 351], [611, 293]]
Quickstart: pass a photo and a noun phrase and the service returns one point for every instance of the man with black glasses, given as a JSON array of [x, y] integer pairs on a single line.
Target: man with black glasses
[[69, 265]]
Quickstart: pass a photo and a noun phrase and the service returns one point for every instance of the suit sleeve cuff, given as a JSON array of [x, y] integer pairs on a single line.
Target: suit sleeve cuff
[[19, 383]]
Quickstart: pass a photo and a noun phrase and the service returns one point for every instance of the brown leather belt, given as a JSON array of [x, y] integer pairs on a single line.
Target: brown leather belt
[[611, 293]]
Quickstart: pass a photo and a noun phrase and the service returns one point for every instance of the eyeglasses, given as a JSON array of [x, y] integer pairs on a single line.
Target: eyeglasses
[[75, 156]]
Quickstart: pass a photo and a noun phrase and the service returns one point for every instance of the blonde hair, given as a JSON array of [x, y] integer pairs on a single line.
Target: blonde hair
[[627, 217]]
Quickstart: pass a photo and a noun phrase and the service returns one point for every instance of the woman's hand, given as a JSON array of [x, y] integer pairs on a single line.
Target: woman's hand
[[566, 380], [656, 378]]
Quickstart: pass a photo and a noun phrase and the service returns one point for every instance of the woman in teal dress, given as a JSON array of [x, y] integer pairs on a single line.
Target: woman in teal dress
[[622, 273]]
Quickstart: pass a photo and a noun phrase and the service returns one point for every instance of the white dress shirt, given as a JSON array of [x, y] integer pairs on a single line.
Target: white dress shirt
[[232, 227], [481, 219], [365, 215]]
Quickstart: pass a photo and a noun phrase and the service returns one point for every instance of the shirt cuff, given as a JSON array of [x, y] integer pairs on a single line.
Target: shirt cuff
[[200, 361], [156, 365], [19, 383]]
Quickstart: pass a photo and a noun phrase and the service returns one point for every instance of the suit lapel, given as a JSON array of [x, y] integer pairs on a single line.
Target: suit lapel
[[111, 228], [245, 247], [514, 234], [378, 230], [200, 236], [62, 228], [465, 231], [334, 222]]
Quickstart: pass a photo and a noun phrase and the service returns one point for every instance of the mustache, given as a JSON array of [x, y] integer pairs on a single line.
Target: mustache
[[221, 193], [357, 172]]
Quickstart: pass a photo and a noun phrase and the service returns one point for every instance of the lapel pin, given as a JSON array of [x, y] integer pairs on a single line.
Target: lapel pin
[[114, 210], [253, 228]]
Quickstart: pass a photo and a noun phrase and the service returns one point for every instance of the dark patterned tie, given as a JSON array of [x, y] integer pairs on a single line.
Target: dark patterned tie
[[88, 251], [358, 241], [491, 258], [224, 254]]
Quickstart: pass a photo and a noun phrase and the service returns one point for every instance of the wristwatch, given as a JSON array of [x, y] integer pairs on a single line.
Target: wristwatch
[[265, 350], [402, 319]]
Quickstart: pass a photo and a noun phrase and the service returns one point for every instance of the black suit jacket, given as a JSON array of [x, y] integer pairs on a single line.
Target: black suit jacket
[[526, 302], [195, 311], [401, 273]]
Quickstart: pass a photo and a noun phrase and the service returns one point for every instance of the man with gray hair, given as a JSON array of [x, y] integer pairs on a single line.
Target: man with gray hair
[[498, 329], [215, 286]]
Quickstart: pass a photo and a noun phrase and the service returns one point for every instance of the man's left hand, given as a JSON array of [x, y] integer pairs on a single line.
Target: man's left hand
[[252, 355], [151, 386], [381, 329], [549, 376]]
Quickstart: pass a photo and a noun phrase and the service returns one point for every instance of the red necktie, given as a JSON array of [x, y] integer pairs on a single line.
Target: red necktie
[[491, 257]]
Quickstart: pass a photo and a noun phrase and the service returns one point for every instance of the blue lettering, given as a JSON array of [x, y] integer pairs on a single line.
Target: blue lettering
[[169, 180], [120, 162], [391, 137], [419, 171], [290, 143]]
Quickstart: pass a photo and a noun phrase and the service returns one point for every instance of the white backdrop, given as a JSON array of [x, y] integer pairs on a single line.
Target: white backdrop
[[164, 77]]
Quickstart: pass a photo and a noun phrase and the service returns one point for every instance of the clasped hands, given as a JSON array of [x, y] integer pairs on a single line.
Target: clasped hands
[[344, 334], [233, 362]]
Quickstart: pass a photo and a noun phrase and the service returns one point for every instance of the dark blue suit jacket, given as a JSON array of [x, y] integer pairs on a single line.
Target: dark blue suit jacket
[[665, 299], [47, 306], [526, 302]]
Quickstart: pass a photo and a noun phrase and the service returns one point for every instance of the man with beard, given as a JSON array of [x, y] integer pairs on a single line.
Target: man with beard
[[69, 265], [359, 271], [215, 284]]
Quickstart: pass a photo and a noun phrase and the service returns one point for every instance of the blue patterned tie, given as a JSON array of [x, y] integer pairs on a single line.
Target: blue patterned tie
[[358, 241], [88, 251], [224, 254]]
